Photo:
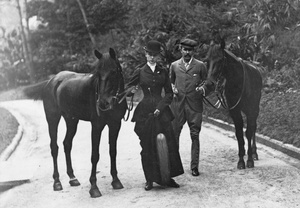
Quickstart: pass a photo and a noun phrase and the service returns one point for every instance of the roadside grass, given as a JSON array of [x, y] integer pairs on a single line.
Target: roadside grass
[[8, 128], [8, 123]]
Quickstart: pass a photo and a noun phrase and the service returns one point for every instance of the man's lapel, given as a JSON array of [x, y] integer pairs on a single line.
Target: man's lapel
[[192, 64], [181, 65]]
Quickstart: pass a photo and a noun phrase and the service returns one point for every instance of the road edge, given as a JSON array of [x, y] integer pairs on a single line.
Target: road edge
[[16, 140], [287, 149]]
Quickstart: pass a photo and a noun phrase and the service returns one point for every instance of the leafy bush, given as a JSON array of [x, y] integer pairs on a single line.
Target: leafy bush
[[279, 116]]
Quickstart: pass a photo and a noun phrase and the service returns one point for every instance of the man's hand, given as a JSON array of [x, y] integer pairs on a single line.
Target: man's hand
[[175, 91], [201, 90], [156, 113]]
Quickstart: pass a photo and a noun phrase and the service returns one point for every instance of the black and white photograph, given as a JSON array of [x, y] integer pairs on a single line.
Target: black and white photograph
[[149, 103]]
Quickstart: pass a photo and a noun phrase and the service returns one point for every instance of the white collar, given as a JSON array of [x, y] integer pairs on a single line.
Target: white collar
[[152, 66], [188, 62]]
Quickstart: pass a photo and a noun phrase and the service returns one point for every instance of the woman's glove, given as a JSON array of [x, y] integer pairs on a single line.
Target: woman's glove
[[156, 113], [134, 89]]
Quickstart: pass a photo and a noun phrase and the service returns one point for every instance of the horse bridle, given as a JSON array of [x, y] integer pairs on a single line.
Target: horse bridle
[[219, 89], [115, 97]]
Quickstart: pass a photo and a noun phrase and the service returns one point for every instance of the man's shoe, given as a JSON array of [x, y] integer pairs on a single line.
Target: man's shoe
[[148, 185], [195, 172], [173, 184]]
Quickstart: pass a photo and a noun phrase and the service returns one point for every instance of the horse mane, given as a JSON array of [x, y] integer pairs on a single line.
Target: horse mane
[[215, 50], [101, 64], [232, 55], [95, 66]]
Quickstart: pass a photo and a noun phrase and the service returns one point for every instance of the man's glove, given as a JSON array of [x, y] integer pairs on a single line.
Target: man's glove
[[175, 91], [201, 90]]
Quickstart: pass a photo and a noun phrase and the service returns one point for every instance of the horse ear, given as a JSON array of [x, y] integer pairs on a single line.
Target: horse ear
[[98, 54], [112, 53], [222, 43]]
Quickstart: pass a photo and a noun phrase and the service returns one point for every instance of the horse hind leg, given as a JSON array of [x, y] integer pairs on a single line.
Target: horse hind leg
[[250, 134], [53, 121], [253, 147], [113, 136], [238, 123], [71, 124]]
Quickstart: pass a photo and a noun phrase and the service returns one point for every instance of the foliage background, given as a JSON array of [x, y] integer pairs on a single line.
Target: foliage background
[[264, 31]]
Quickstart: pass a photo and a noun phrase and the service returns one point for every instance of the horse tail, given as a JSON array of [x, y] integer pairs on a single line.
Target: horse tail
[[35, 91]]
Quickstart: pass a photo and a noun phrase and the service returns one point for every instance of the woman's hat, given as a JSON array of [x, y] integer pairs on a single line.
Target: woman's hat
[[153, 46]]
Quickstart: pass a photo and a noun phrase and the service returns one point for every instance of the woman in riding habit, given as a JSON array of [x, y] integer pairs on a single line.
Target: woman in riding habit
[[153, 116]]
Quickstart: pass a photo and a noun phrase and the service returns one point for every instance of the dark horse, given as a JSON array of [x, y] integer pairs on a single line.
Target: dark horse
[[90, 97], [242, 84]]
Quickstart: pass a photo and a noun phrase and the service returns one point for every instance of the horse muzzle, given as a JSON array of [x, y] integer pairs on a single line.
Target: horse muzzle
[[104, 105]]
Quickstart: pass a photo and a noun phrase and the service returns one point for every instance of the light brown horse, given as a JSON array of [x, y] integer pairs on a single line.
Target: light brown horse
[[90, 97], [242, 90]]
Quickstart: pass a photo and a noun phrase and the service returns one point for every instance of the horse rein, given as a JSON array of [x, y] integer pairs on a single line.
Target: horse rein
[[123, 96]]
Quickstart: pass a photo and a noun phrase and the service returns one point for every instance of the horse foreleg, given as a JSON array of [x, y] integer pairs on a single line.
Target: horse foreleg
[[113, 136], [71, 130], [96, 133], [238, 123]]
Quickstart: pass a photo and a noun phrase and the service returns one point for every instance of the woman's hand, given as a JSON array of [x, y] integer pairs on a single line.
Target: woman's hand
[[156, 113], [134, 90]]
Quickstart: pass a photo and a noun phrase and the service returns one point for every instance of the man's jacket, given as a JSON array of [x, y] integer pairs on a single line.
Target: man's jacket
[[186, 81]]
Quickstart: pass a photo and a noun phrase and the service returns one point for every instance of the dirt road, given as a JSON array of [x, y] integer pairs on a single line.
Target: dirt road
[[273, 183]]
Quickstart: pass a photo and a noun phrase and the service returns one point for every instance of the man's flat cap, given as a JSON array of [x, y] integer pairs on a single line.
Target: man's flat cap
[[188, 43]]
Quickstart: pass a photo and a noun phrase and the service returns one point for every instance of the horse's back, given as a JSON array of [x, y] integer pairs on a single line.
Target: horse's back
[[253, 87], [255, 74], [65, 76], [70, 93]]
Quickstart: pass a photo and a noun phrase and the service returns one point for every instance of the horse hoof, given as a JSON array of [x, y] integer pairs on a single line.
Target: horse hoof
[[74, 182], [250, 164], [57, 186], [255, 156], [95, 193], [117, 184], [241, 165]]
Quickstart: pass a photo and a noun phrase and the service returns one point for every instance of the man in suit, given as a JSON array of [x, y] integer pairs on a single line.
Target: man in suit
[[186, 76]]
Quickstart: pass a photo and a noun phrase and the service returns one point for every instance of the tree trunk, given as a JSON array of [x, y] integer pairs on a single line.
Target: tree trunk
[[25, 44], [30, 54], [87, 24], [68, 23]]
